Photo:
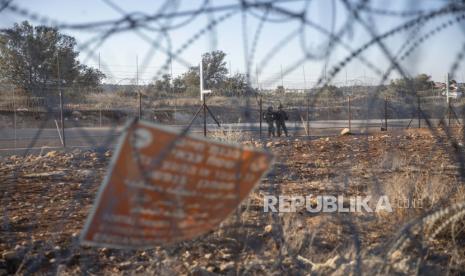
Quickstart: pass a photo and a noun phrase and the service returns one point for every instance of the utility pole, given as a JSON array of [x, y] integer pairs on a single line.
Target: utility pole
[[61, 102], [282, 82]]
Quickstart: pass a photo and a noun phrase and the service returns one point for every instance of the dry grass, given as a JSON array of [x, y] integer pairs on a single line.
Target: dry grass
[[180, 101], [252, 242], [229, 135], [413, 189], [108, 100]]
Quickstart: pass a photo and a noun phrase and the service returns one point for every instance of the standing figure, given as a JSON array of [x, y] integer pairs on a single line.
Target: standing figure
[[281, 118], [269, 118]]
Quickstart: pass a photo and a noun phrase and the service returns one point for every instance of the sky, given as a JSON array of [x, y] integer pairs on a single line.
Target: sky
[[274, 51]]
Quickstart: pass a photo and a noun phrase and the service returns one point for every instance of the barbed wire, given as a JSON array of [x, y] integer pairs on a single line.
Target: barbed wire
[[168, 18]]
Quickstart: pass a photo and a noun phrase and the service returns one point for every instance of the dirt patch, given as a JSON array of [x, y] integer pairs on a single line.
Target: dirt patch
[[45, 200]]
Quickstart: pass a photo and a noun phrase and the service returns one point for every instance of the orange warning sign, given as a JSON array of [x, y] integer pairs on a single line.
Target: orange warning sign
[[165, 187]]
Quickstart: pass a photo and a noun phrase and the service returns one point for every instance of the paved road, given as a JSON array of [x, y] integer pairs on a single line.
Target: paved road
[[37, 139]]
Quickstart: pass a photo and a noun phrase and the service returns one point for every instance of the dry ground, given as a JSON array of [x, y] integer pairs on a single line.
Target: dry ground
[[45, 200]]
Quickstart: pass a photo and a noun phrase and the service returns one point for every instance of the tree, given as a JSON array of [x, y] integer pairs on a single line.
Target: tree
[[30, 58], [330, 91], [214, 74], [214, 69], [235, 85], [89, 76], [280, 90], [164, 84], [191, 81], [178, 85], [421, 82]]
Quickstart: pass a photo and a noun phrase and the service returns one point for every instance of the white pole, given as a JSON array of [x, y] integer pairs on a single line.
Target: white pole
[[202, 90], [201, 79]]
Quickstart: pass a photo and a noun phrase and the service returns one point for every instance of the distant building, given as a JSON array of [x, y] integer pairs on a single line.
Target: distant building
[[293, 90], [439, 85], [456, 90]]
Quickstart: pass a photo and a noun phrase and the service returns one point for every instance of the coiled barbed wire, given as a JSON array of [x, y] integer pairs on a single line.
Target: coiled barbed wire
[[270, 12]]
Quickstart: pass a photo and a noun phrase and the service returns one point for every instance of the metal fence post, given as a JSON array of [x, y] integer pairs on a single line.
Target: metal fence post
[[62, 121], [449, 109], [261, 115], [419, 112], [140, 106], [308, 115], [385, 114], [350, 116], [204, 117], [100, 115]]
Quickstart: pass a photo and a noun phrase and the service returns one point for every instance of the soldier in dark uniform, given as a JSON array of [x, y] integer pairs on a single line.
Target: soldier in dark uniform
[[281, 118], [269, 118]]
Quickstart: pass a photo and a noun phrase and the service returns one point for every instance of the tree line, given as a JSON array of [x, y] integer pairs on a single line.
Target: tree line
[[216, 77], [37, 59]]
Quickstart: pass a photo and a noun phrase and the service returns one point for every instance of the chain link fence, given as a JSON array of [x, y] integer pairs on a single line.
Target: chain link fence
[[56, 147]]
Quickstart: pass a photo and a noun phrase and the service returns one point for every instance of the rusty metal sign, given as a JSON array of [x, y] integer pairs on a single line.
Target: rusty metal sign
[[163, 187]]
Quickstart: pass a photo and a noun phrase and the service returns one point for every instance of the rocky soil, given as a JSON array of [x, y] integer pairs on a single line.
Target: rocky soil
[[45, 200]]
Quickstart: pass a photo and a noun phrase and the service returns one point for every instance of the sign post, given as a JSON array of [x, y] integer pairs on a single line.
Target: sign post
[[204, 103], [202, 91]]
